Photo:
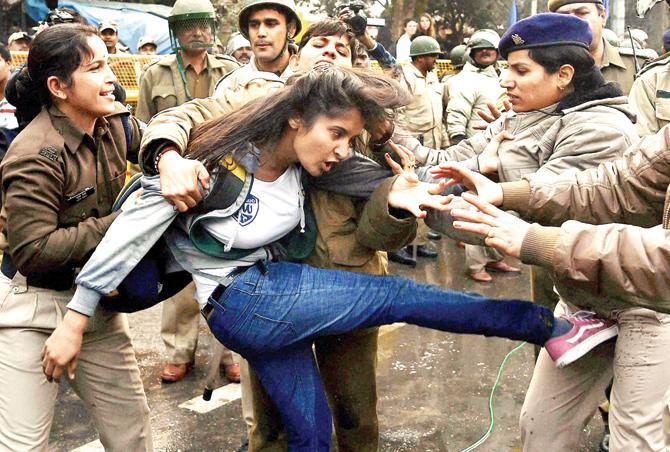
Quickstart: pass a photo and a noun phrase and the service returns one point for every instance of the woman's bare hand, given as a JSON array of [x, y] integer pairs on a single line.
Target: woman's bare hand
[[62, 348], [407, 159], [494, 113], [181, 180], [485, 188], [488, 160], [410, 194], [501, 230]]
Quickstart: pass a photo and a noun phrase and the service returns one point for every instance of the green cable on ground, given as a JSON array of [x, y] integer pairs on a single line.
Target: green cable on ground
[[492, 423]]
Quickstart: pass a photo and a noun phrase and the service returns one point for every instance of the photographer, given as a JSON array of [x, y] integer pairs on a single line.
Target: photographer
[[351, 14]]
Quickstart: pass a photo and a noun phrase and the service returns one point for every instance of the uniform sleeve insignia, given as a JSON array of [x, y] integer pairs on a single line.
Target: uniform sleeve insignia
[[49, 152]]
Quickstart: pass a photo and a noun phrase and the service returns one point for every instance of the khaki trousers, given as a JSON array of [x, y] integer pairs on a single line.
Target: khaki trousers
[[476, 257], [348, 365], [107, 378], [179, 328], [560, 402]]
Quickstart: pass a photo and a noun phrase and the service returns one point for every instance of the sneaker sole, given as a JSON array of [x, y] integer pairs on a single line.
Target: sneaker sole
[[583, 348]]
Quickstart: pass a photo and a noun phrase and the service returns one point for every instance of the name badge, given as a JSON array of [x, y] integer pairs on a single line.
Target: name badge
[[80, 195]]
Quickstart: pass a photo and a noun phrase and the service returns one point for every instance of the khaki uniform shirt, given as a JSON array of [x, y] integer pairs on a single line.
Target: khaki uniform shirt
[[161, 85], [424, 115], [619, 67], [650, 96], [59, 185]]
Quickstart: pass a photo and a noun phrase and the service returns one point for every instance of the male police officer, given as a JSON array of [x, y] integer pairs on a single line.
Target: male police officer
[[650, 96], [109, 33], [423, 116], [615, 64], [477, 85], [170, 81], [269, 26]]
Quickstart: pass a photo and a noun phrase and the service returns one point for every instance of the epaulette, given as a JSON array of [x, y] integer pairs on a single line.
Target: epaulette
[[660, 61]]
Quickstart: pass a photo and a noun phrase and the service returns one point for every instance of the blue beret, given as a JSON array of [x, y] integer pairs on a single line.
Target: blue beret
[[546, 30], [666, 38]]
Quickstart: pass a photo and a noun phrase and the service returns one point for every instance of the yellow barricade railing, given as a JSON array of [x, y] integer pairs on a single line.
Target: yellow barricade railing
[[128, 69]]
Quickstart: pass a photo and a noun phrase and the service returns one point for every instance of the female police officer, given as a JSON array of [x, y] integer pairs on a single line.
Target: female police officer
[[59, 180]]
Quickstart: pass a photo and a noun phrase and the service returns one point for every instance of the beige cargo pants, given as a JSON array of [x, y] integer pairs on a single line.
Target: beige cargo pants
[[179, 328], [107, 378], [560, 402]]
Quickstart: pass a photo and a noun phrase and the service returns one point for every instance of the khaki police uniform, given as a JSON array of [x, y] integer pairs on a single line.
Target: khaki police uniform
[[161, 87], [619, 66], [650, 96], [59, 185], [423, 116]]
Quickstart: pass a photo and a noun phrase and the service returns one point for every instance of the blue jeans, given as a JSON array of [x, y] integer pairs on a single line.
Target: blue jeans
[[271, 318]]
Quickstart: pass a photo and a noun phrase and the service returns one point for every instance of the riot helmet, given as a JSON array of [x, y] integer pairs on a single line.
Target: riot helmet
[[424, 45], [287, 7], [188, 15]]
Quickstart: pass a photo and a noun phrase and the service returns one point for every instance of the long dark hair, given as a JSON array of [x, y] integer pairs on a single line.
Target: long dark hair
[[587, 82], [325, 90], [57, 51]]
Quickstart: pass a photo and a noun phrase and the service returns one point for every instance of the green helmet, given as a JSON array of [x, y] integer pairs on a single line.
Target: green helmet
[[484, 39], [457, 56], [286, 6], [188, 14], [611, 37], [424, 45]]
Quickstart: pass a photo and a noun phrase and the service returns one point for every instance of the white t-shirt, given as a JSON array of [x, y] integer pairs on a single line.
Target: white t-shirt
[[271, 211]]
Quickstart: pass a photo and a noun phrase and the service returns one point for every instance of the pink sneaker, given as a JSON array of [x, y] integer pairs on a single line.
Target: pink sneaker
[[587, 332]]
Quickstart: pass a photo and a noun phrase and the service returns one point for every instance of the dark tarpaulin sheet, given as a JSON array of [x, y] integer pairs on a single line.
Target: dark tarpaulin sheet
[[134, 20]]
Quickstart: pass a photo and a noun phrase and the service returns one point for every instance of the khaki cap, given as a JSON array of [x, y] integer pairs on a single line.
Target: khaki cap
[[108, 25], [18, 36]]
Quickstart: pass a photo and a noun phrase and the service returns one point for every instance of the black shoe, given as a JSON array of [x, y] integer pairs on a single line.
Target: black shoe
[[424, 251], [402, 257], [432, 235]]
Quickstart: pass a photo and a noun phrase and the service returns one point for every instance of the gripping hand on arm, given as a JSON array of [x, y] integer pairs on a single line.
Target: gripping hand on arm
[[181, 179]]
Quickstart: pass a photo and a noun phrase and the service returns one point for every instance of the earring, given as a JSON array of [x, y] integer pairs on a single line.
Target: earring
[[561, 87]]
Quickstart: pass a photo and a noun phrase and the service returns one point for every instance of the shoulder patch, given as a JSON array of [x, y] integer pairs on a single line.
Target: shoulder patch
[[663, 60], [49, 152]]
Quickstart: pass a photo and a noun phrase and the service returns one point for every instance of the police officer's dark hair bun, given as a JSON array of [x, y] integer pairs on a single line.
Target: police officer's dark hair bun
[[57, 51], [24, 95]]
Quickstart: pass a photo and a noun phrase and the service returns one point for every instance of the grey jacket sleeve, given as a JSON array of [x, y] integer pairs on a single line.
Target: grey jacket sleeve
[[579, 147], [126, 242]]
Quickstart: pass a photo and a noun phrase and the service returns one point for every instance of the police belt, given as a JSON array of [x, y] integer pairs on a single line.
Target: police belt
[[59, 279], [227, 282]]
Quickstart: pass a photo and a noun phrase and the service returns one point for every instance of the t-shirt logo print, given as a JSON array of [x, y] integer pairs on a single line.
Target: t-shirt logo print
[[249, 210]]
